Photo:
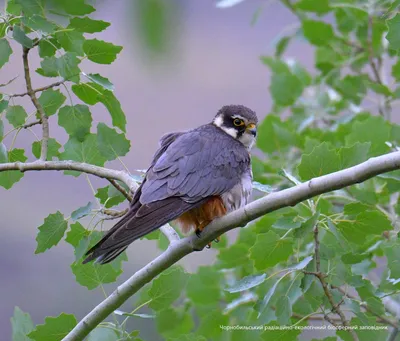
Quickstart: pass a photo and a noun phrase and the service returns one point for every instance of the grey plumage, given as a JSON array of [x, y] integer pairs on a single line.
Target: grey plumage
[[187, 169]]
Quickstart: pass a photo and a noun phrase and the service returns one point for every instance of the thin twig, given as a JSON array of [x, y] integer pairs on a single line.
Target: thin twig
[[9, 82], [113, 213], [321, 277], [367, 308], [40, 89], [38, 106], [121, 189], [28, 125]]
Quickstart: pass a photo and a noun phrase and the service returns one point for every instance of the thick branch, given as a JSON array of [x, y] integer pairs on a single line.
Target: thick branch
[[270, 203], [100, 172], [38, 106]]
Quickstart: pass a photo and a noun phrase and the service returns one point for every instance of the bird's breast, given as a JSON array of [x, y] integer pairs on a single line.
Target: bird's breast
[[239, 195]]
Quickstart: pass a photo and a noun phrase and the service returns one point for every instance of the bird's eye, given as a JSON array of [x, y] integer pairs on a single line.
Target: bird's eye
[[238, 122]]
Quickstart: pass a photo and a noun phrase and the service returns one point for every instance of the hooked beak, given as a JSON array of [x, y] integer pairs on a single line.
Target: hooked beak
[[252, 129]]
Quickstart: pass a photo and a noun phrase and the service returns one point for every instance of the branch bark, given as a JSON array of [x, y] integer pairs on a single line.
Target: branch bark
[[38, 106], [100, 172], [272, 202]]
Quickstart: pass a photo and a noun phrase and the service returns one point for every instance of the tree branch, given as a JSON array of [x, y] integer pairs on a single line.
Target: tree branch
[[100, 172], [38, 106], [270, 203], [121, 189], [50, 86]]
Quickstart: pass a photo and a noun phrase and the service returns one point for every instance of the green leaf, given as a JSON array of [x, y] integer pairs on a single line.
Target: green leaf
[[86, 151], [38, 23], [275, 135], [247, 283], [281, 46], [88, 25], [65, 66], [269, 250], [114, 108], [307, 227], [204, 287], [53, 148], [111, 144], [86, 93], [285, 88], [76, 120], [392, 253], [54, 328], [71, 41], [48, 47], [393, 35], [91, 275], [210, 323], [9, 178], [3, 106], [231, 257], [51, 232], [31, 7], [166, 288], [324, 160], [82, 211], [352, 88], [100, 80], [103, 334], [21, 325], [316, 6], [5, 51], [20, 36], [362, 225], [16, 115], [51, 100], [283, 310], [381, 133], [75, 7], [395, 70], [101, 52], [317, 32], [75, 234], [93, 93], [173, 322], [107, 199]]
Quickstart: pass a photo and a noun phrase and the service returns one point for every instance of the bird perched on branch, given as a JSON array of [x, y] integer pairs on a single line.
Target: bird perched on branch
[[195, 177]]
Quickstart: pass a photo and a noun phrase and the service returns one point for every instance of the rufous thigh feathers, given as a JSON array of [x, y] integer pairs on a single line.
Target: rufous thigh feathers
[[200, 217]]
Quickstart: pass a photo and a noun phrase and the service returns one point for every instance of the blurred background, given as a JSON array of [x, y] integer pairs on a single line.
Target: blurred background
[[176, 70]]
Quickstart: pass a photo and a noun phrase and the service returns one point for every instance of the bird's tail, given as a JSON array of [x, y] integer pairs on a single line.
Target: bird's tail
[[106, 256]]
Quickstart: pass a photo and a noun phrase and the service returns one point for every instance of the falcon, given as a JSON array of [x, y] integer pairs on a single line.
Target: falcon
[[195, 177]]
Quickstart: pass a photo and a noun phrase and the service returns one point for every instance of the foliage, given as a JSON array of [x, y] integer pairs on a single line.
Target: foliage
[[288, 266]]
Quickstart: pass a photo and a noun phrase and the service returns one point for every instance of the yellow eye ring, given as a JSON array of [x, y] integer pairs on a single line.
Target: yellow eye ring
[[238, 122]]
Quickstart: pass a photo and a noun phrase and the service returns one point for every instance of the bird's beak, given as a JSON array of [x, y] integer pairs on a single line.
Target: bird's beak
[[252, 129]]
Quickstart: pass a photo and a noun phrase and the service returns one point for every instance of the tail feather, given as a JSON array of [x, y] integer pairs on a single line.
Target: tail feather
[[139, 221]]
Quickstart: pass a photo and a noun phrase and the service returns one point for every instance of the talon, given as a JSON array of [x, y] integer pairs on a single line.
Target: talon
[[208, 246], [218, 239], [198, 233]]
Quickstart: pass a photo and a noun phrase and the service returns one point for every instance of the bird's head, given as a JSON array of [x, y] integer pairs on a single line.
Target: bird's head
[[239, 122]]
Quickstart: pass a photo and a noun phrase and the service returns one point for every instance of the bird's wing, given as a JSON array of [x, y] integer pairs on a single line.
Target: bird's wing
[[198, 164], [186, 170]]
